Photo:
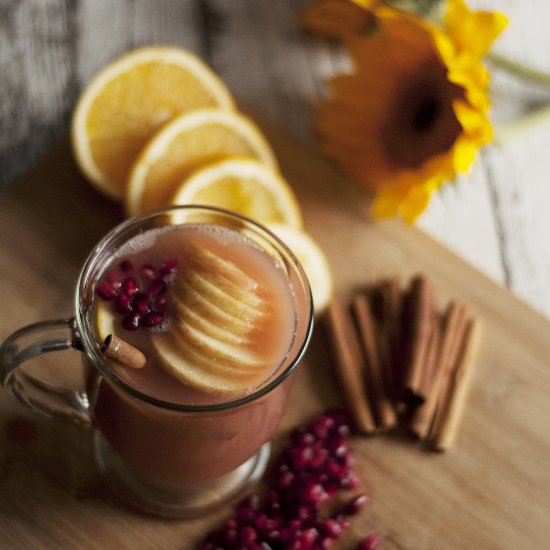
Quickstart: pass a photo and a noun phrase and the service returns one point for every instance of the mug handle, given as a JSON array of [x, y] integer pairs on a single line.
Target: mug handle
[[29, 342]]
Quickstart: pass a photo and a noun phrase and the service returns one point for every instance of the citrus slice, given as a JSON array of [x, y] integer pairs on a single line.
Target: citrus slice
[[105, 320], [313, 261], [245, 186], [187, 143], [129, 100]]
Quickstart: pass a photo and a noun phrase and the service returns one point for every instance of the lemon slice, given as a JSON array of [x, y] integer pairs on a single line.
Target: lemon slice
[[313, 261], [105, 320], [191, 141], [245, 186], [129, 100]]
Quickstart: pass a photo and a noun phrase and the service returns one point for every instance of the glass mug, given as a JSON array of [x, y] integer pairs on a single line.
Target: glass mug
[[167, 458]]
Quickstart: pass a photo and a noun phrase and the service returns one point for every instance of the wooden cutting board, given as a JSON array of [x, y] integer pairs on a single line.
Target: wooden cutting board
[[492, 490]]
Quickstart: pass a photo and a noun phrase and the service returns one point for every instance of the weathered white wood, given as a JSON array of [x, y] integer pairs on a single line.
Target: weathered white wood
[[36, 87], [109, 28]]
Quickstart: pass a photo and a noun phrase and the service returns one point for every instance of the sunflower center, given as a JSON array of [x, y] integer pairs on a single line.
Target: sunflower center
[[422, 123], [426, 114]]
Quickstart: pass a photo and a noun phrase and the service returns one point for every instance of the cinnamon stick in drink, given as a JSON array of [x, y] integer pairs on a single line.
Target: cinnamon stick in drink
[[123, 353], [444, 433], [453, 330], [381, 406], [348, 366]]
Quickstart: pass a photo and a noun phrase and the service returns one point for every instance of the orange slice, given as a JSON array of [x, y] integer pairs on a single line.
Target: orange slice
[[129, 100], [313, 260], [187, 143], [245, 186]]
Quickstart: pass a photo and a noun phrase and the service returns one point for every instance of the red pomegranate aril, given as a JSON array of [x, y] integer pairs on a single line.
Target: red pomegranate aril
[[285, 480], [247, 535], [115, 279], [130, 286], [126, 266], [132, 321], [168, 267], [314, 493], [161, 303], [303, 438], [323, 426], [330, 527], [355, 505], [370, 543], [350, 481], [141, 303], [123, 304], [148, 271], [153, 319], [156, 288], [105, 291]]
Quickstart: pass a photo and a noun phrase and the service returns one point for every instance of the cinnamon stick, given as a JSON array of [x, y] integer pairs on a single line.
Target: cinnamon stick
[[453, 331], [120, 351], [420, 330], [387, 299], [428, 371], [347, 362], [444, 433], [384, 412]]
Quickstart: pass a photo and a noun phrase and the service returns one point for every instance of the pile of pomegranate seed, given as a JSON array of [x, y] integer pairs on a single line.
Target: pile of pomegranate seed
[[138, 294], [302, 482]]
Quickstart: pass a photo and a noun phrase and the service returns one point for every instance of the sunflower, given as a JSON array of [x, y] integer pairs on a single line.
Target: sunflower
[[414, 112]]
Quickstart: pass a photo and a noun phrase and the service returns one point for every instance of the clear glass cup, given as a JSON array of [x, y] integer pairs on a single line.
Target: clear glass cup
[[169, 459]]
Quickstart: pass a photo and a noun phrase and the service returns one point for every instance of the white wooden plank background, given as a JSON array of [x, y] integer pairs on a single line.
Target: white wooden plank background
[[496, 217]]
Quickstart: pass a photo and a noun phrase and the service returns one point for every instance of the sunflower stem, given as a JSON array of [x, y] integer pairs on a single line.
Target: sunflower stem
[[506, 132], [518, 69]]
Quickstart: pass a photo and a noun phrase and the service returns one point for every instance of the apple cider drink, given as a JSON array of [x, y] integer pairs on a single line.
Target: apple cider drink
[[215, 317]]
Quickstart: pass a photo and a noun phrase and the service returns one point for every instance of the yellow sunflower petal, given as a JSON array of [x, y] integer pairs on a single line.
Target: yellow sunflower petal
[[473, 31], [415, 202]]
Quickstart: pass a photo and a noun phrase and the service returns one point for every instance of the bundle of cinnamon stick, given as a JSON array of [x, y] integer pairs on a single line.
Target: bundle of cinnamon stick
[[401, 362]]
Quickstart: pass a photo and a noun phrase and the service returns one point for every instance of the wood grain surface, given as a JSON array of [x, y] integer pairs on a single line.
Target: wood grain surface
[[495, 217], [492, 491]]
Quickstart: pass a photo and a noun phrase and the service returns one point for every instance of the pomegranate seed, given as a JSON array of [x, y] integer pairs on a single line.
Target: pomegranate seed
[[141, 303], [330, 527], [168, 267], [314, 493], [355, 505], [350, 481], [338, 446], [248, 535], [132, 321], [322, 426], [370, 543], [114, 279], [148, 271], [130, 286], [126, 266], [123, 304], [160, 304], [153, 319], [156, 288], [105, 291], [286, 479]]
